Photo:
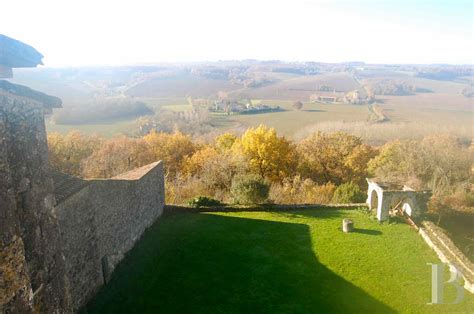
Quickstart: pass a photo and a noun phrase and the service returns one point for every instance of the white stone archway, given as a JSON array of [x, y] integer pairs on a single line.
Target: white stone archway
[[375, 199], [382, 196]]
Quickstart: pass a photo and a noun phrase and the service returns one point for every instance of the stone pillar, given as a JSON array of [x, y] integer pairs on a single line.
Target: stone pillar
[[347, 225], [383, 208]]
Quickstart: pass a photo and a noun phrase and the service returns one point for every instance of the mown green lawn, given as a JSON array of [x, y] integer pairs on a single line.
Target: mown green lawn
[[275, 262]]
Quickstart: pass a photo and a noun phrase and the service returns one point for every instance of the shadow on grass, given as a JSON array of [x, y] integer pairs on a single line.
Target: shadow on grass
[[320, 212], [300, 209], [306, 213], [367, 231], [206, 263]]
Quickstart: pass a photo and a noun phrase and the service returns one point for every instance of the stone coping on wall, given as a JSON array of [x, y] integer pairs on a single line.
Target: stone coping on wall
[[101, 222], [135, 174], [392, 187], [66, 185]]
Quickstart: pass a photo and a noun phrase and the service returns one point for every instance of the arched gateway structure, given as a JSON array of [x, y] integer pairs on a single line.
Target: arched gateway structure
[[384, 196]]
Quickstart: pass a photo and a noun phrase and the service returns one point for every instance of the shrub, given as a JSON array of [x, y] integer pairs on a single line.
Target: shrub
[[298, 105], [180, 189], [249, 189], [449, 205], [203, 201], [297, 190], [348, 193]]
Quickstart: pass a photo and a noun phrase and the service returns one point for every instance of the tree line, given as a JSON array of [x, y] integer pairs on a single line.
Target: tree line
[[321, 168]]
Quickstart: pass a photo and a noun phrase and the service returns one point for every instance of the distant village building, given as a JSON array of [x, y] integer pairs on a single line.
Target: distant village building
[[234, 106], [228, 106], [323, 98], [326, 97], [357, 97]]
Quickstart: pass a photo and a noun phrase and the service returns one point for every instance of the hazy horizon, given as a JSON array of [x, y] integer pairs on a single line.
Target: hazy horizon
[[112, 33], [203, 62]]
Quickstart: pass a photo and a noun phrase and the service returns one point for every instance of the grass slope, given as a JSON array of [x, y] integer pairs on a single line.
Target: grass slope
[[264, 262]]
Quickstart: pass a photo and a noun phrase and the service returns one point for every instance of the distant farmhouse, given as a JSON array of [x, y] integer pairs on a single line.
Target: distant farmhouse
[[357, 97], [326, 97], [239, 107], [354, 97]]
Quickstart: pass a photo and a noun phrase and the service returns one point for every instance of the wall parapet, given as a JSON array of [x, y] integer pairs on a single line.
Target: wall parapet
[[102, 221]]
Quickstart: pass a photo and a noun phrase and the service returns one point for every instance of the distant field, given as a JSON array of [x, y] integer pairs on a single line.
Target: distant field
[[177, 107], [442, 109], [106, 129], [180, 86], [301, 87], [439, 109], [444, 106], [290, 121], [425, 112]]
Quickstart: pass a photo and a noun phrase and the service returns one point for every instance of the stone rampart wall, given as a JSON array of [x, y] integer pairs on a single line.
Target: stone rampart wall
[[101, 222]]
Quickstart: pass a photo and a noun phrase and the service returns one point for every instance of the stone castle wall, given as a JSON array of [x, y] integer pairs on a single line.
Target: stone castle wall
[[32, 269], [102, 221], [61, 237]]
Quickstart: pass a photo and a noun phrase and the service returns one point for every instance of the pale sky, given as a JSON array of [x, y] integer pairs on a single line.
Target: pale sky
[[118, 32]]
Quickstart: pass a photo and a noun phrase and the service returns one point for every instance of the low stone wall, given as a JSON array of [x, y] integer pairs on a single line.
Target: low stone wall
[[448, 253], [177, 209], [102, 221]]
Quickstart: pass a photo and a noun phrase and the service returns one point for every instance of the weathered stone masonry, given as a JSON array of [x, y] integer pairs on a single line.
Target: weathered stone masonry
[[59, 239], [102, 221], [383, 196], [60, 236], [32, 270]]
